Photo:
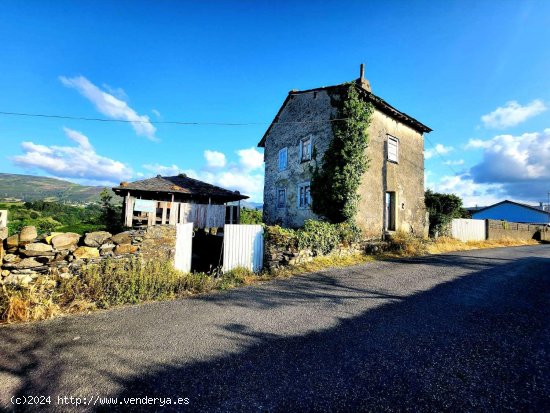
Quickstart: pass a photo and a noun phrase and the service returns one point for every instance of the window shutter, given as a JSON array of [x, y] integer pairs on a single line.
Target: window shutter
[[300, 152]]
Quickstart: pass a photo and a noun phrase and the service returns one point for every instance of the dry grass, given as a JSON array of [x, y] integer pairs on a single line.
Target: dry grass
[[446, 244], [109, 284], [322, 263], [407, 245], [27, 304]]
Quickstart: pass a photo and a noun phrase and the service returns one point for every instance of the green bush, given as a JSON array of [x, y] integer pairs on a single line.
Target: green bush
[[251, 216], [318, 236]]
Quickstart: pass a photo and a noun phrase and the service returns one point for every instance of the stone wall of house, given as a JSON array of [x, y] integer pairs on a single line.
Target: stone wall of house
[[26, 256], [405, 178], [307, 108]]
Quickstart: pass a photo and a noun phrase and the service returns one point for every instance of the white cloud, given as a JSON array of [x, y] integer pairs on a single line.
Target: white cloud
[[116, 91], [214, 159], [439, 148], [471, 193], [250, 158], [79, 163], [509, 159], [159, 169], [244, 176], [111, 106], [521, 164], [454, 163], [477, 144], [512, 113], [156, 113]]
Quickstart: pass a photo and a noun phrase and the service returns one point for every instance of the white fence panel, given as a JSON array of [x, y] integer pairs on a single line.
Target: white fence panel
[[468, 229], [184, 243], [243, 246]]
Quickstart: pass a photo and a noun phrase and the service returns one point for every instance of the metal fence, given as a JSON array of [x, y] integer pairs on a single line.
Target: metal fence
[[243, 246], [469, 229]]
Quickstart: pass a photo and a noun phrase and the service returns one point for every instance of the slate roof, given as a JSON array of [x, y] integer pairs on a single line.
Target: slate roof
[[377, 102], [181, 184]]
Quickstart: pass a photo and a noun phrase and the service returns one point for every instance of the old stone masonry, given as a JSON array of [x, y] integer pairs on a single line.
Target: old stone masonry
[[26, 256]]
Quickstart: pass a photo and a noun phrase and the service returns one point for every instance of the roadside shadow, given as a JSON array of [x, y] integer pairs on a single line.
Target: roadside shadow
[[476, 343]]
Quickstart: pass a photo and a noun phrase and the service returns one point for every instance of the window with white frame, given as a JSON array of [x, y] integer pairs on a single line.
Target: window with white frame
[[281, 198], [304, 195], [283, 159], [393, 149], [305, 149]]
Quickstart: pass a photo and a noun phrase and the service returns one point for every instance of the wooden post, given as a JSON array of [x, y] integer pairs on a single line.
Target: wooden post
[[128, 210], [239, 213], [163, 220]]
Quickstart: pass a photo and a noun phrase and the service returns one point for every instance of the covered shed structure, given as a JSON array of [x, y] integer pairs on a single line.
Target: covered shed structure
[[177, 199]]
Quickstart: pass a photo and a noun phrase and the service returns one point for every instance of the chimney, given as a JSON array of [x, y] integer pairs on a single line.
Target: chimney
[[362, 82]]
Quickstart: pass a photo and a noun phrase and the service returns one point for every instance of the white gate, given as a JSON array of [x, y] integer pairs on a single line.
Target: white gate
[[468, 229], [184, 243], [243, 246]]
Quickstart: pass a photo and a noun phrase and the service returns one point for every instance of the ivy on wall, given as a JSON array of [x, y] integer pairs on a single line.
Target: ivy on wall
[[335, 183]]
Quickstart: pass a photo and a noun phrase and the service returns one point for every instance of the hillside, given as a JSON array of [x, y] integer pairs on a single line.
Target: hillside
[[31, 188]]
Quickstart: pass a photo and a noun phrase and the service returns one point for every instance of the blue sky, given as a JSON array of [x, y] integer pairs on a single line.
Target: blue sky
[[477, 72]]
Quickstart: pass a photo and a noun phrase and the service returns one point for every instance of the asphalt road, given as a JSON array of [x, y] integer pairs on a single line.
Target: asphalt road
[[467, 331]]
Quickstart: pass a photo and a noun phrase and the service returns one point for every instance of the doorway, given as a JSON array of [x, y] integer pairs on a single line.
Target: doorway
[[389, 216]]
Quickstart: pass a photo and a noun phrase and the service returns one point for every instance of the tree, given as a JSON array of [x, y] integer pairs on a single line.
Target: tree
[[442, 209], [110, 213], [251, 216]]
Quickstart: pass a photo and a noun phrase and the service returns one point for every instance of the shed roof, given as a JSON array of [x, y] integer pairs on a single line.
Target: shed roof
[[378, 103], [180, 184]]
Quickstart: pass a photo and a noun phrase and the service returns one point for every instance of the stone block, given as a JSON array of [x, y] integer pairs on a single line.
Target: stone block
[[27, 234], [12, 242], [95, 239], [122, 238], [65, 240], [125, 249], [52, 234], [86, 252], [27, 263], [37, 249]]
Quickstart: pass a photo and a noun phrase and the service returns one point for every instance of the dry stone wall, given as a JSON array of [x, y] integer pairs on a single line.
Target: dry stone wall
[[26, 256]]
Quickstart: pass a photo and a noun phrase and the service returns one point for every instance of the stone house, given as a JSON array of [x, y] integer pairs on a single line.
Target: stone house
[[392, 190]]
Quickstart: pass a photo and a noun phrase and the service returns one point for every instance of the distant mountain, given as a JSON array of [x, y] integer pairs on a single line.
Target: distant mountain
[[32, 188], [252, 205]]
